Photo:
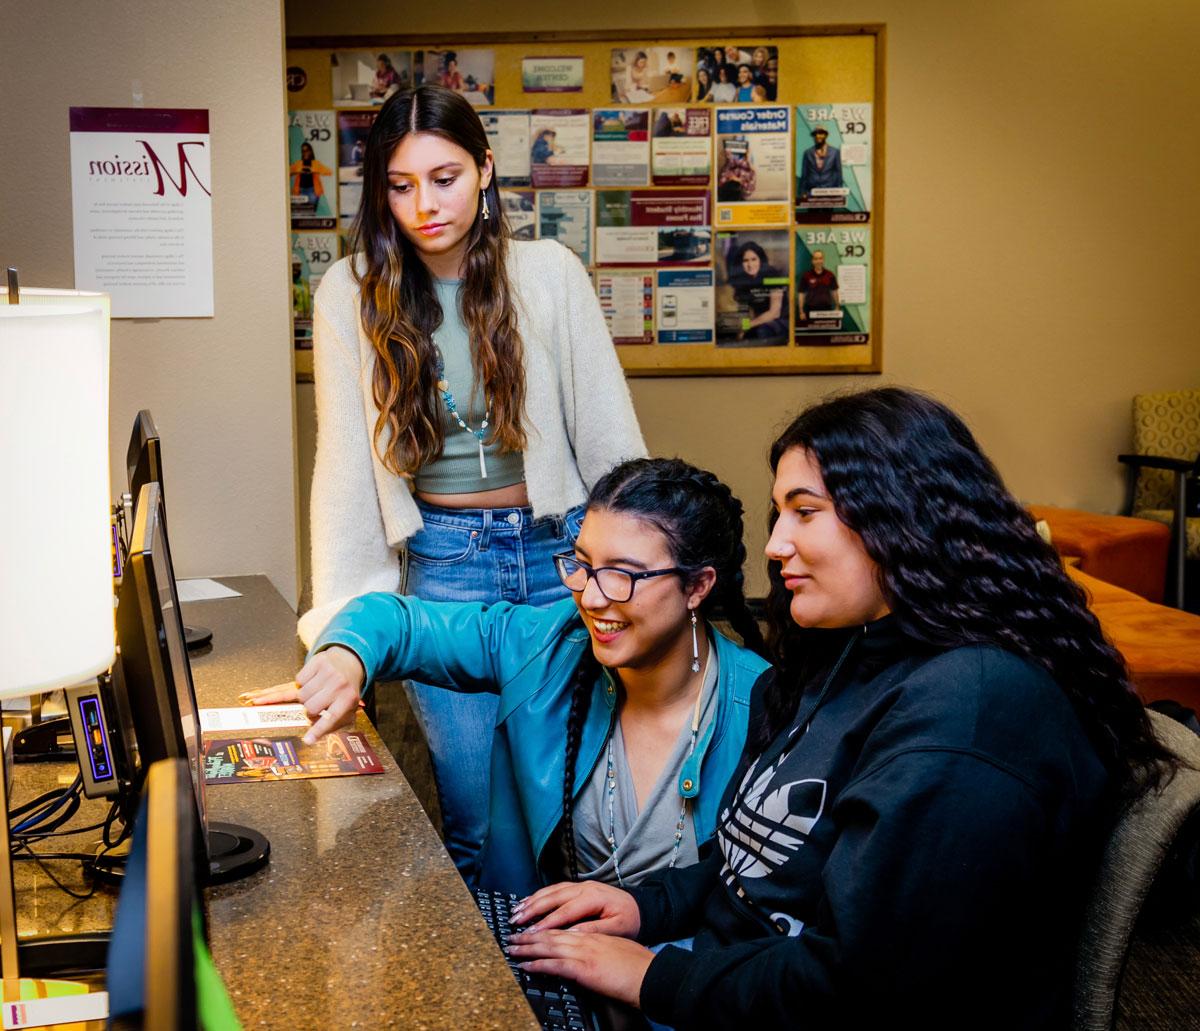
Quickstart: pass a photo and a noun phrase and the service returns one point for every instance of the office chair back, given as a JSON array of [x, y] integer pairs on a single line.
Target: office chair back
[[1133, 857], [1167, 425]]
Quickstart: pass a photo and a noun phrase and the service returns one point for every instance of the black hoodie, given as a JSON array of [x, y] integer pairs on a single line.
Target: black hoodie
[[916, 848]]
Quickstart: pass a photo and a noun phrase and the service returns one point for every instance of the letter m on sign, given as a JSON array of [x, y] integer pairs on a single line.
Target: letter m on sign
[[185, 166]]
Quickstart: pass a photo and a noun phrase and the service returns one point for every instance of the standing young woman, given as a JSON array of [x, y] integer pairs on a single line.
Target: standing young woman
[[915, 824], [622, 715], [468, 394]]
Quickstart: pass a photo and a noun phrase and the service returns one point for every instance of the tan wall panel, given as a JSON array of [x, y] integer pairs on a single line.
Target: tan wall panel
[[219, 388]]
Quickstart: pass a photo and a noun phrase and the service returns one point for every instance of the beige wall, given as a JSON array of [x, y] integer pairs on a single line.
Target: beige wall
[[1042, 223], [219, 388]]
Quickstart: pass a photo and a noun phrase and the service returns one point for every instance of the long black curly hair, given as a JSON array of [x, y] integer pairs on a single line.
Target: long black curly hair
[[701, 520], [959, 562]]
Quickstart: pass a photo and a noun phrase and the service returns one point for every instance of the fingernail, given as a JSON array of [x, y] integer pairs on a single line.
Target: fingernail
[[308, 740]]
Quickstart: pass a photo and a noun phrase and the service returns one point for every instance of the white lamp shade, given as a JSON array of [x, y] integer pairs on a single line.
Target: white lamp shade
[[56, 599]]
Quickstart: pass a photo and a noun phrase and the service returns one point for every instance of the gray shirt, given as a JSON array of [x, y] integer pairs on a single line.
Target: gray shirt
[[646, 839]]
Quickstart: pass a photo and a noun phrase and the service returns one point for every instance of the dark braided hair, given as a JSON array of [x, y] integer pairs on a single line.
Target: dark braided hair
[[701, 520], [960, 563]]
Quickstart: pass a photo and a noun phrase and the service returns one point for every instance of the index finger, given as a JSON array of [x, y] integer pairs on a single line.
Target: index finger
[[331, 719], [288, 692]]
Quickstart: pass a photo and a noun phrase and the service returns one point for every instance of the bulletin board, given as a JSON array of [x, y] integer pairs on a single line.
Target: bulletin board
[[817, 256]]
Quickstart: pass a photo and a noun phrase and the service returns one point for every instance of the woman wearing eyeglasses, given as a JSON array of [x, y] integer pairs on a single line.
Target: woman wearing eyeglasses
[[622, 712]]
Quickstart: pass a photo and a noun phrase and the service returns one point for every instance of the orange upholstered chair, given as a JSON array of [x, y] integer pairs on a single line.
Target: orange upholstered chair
[[1161, 645], [1130, 553]]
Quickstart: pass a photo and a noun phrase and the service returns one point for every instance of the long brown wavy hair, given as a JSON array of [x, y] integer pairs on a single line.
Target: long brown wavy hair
[[400, 310]]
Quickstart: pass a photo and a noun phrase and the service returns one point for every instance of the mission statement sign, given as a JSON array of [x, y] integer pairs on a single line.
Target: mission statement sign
[[141, 191]]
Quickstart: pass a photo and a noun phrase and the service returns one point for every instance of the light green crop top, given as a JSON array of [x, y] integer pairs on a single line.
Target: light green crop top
[[457, 471]]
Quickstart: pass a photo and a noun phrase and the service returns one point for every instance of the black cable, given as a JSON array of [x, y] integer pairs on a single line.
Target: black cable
[[46, 870], [35, 836], [49, 796], [85, 857]]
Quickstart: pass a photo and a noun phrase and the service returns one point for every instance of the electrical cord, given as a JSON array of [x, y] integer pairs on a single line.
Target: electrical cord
[[40, 860], [69, 797]]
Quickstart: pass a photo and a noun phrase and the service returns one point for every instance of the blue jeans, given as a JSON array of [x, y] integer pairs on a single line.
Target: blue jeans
[[488, 555]]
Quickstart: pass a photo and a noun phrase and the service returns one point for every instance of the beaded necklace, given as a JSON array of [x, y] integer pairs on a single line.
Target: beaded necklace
[[611, 786], [452, 408]]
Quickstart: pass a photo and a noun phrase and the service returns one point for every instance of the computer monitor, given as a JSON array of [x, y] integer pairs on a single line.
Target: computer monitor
[[143, 464], [158, 681], [143, 458], [160, 973]]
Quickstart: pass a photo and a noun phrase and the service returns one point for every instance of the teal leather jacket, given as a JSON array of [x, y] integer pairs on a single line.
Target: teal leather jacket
[[528, 656]]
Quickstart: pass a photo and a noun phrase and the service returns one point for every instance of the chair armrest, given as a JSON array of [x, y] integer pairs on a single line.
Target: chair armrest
[[1178, 465]]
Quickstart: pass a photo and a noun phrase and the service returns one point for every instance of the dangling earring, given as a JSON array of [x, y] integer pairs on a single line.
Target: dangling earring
[[486, 213], [695, 646]]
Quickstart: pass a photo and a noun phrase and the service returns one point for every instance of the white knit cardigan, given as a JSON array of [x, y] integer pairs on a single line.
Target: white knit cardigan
[[579, 422]]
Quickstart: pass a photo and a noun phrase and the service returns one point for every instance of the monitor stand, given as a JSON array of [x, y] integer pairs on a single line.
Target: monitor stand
[[234, 852], [196, 637]]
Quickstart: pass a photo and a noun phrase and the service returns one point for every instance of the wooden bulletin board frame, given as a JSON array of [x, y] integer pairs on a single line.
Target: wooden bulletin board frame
[[837, 64]]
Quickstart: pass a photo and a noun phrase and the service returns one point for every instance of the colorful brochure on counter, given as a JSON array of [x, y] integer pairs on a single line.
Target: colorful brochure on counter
[[250, 759]]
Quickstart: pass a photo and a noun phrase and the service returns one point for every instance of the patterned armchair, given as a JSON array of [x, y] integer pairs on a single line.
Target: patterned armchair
[[1166, 438]]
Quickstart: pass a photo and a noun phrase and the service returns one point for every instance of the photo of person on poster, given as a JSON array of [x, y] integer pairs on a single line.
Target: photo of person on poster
[[729, 74], [651, 74], [736, 179], [816, 289], [386, 80], [820, 165], [306, 178], [752, 284]]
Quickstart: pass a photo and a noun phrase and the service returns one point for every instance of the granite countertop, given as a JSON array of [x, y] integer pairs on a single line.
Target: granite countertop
[[359, 919]]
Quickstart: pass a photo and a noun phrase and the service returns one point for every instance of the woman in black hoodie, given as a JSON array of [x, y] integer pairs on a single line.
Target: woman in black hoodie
[[930, 773]]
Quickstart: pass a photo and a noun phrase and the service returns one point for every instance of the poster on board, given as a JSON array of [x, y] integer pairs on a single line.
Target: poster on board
[[753, 171], [353, 129], [312, 158], [833, 288], [362, 78], [141, 201], [684, 306], [627, 301], [469, 72], [833, 163], [737, 73], [508, 138], [520, 213], [752, 285], [312, 256], [681, 146], [620, 147], [653, 227], [552, 74], [652, 75], [566, 216], [558, 147]]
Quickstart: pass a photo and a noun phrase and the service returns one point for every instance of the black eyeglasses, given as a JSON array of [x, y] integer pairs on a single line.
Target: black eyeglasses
[[615, 584]]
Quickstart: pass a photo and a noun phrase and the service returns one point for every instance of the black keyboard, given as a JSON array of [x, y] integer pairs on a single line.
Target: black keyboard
[[555, 1002]]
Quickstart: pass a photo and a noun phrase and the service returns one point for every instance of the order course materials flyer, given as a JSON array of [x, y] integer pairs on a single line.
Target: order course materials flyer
[[833, 163], [753, 167], [141, 200], [344, 753]]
